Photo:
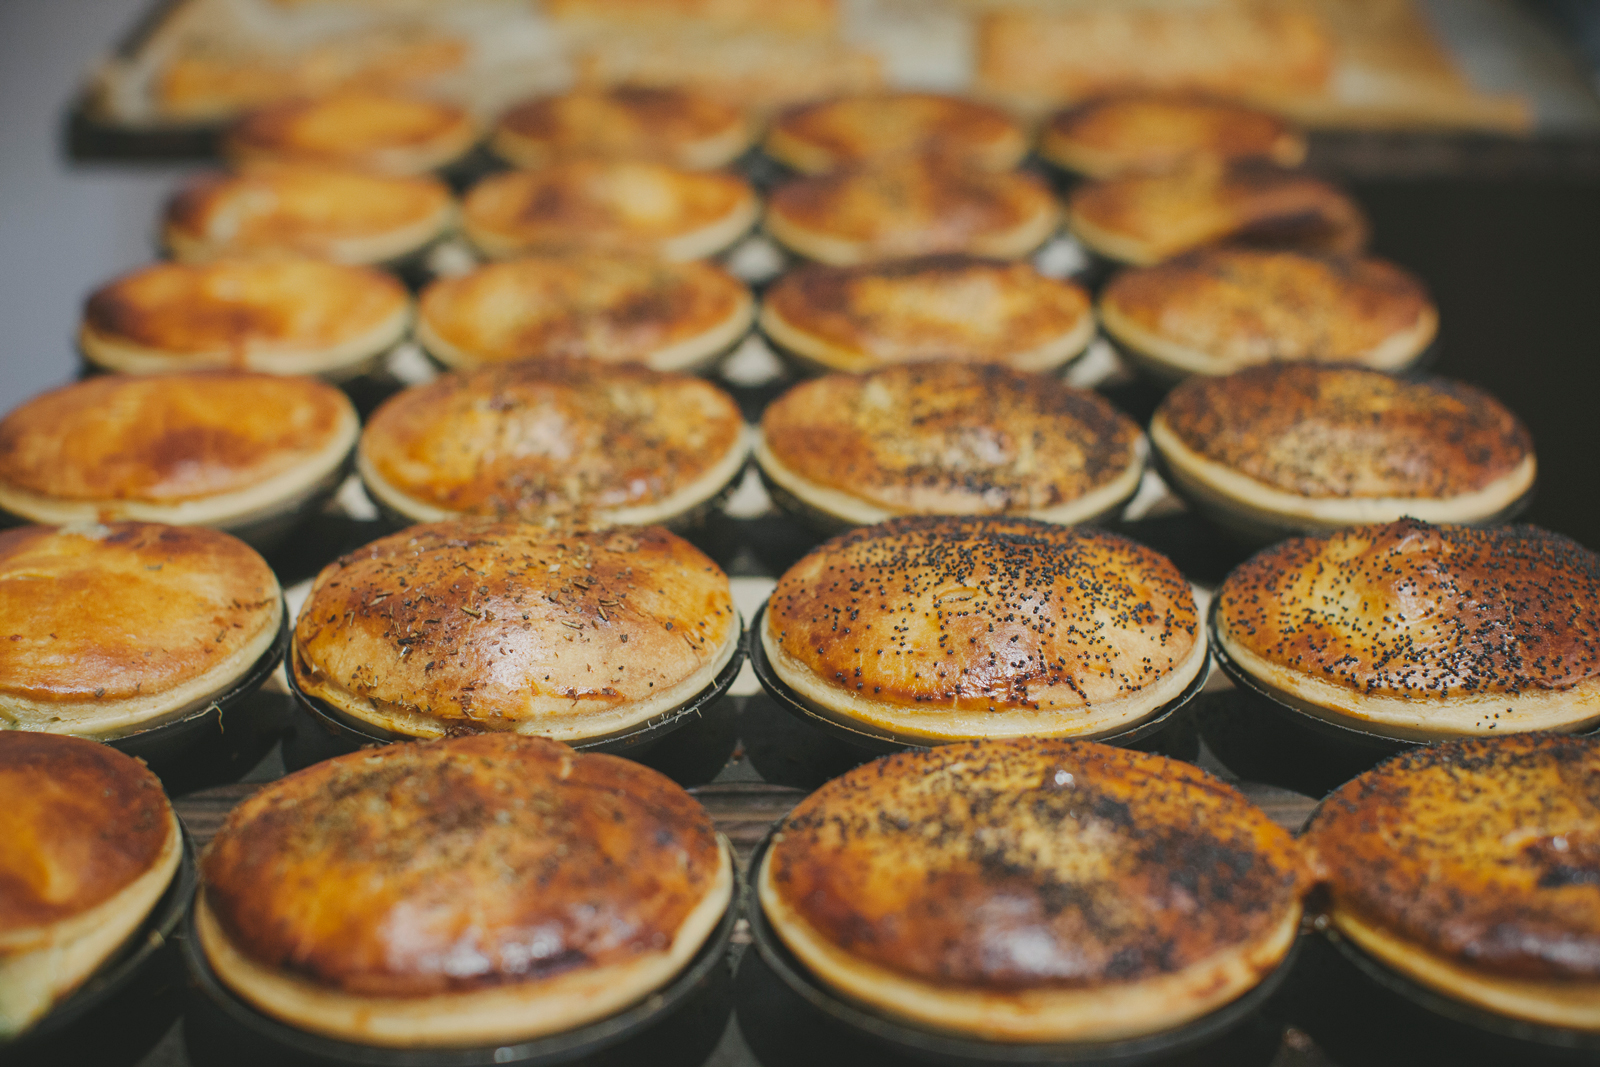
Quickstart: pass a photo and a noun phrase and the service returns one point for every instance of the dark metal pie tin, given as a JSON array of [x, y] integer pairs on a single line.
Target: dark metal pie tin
[[676, 1026], [127, 1005], [1235, 1035], [650, 742], [1162, 727]]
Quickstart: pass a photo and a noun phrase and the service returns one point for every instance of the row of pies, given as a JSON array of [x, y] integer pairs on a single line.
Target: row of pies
[[1267, 450], [1208, 312], [1025, 891]]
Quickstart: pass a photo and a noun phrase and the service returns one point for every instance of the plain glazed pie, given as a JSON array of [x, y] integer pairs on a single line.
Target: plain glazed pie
[[1147, 218], [346, 216], [950, 439], [849, 130], [1148, 134], [90, 846], [631, 207], [114, 629], [1473, 868], [1422, 632], [285, 316], [386, 133], [571, 633], [676, 126], [932, 629], [1218, 310], [612, 443], [470, 892], [912, 206], [667, 316], [216, 448], [937, 307], [1298, 447], [1034, 890]]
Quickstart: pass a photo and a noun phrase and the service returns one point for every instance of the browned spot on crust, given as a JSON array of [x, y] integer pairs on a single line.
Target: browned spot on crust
[[484, 626], [1155, 133], [126, 610], [1025, 864], [852, 129], [1485, 852], [622, 122], [459, 865], [951, 438], [80, 821], [361, 129], [168, 438], [974, 613], [936, 307], [1343, 432], [1242, 306], [547, 437], [1415, 611]]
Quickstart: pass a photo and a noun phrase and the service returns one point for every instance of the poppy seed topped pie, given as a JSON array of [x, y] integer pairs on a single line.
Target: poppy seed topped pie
[[1422, 632], [470, 892], [346, 216], [217, 448], [1218, 310], [611, 443], [911, 206], [949, 438], [471, 626], [673, 125], [816, 138], [943, 628], [1147, 218], [949, 307], [1473, 867], [1309, 447], [114, 629], [632, 207], [386, 133], [90, 847], [1147, 134], [1034, 890], [284, 316], [668, 316]]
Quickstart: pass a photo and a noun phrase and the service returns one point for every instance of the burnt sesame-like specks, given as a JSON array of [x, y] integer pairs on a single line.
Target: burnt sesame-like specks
[[985, 613], [1483, 851], [951, 438], [459, 865], [1032, 863], [1410, 610], [1346, 432]]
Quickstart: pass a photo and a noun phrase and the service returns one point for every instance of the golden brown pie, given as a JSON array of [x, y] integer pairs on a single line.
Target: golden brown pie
[[1034, 890], [90, 846], [1143, 133], [629, 207], [943, 628], [912, 206], [280, 315], [387, 133], [1422, 632], [1308, 447], [617, 309], [214, 448], [677, 126], [112, 629], [610, 443], [948, 307], [949, 439], [1217, 310], [346, 216], [472, 625], [476, 891], [1473, 867], [850, 130]]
